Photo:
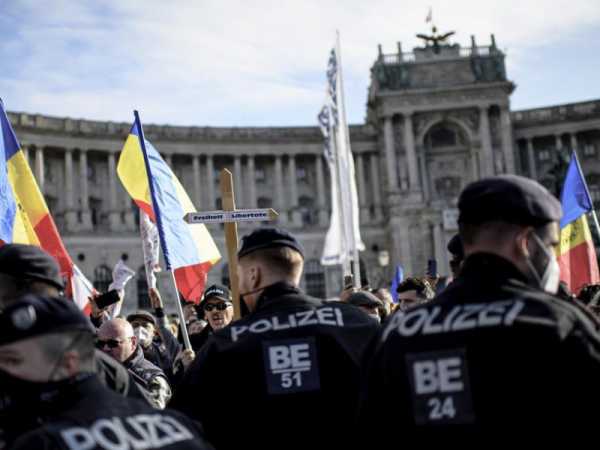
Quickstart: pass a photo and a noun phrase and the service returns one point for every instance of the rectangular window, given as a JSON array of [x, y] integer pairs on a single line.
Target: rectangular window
[[544, 155], [589, 150]]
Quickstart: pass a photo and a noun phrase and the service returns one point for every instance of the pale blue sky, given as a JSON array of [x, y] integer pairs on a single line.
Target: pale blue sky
[[262, 63]]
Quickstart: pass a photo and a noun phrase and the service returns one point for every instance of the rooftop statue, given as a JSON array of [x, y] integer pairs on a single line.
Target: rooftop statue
[[435, 39]]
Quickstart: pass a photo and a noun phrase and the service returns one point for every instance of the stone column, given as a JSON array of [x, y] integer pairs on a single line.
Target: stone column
[[210, 183], [169, 161], [411, 155], [531, 159], [439, 248], [424, 177], [84, 195], [376, 186], [487, 168], [507, 140], [390, 154], [39, 167], [321, 193], [197, 187], [362, 195], [294, 214], [25, 153], [558, 140], [573, 141], [400, 237], [237, 181], [251, 183], [70, 212], [114, 215], [279, 199]]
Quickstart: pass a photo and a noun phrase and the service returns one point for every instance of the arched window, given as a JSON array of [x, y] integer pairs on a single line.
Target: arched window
[[142, 289], [102, 278], [225, 275], [307, 211], [314, 278], [442, 136]]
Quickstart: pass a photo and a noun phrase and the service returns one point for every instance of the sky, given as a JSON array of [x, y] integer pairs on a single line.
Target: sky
[[262, 62]]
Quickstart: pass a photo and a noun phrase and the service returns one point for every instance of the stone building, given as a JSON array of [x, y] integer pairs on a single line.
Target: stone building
[[437, 118]]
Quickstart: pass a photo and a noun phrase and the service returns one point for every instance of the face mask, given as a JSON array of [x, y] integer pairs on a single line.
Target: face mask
[[550, 278], [143, 336], [375, 317]]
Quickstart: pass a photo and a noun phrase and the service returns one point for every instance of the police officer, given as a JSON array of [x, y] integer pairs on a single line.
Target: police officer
[[27, 269], [289, 371], [496, 355], [47, 353]]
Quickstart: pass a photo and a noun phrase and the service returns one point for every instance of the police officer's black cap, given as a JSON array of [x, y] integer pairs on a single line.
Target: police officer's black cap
[[30, 262], [268, 237], [33, 316], [508, 198], [455, 247], [363, 298], [217, 291]]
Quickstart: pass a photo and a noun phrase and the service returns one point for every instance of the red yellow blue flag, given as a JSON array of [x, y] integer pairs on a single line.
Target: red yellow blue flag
[[575, 252], [189, 250]]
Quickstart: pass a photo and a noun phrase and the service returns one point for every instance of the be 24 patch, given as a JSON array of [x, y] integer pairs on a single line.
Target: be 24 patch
[[440, 388], [291, 366]]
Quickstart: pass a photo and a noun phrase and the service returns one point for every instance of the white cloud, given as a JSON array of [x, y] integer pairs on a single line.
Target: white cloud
[[227, 62]]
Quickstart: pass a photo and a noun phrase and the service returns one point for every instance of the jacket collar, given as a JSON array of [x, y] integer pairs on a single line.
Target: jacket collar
[[135, 358], [490, 269], [272, 294]]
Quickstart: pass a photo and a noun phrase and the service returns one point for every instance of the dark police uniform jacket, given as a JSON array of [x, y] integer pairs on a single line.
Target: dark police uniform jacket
[[490, 357], [89, 416], [286, 376]]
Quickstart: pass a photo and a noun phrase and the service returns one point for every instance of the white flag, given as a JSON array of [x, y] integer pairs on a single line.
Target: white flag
[[150, 247], [343, 237], [121, 275], [82, 289]]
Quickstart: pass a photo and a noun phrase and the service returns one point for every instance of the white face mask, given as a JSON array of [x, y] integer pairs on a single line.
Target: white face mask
[[551, 277], [143, 336], [375, 317]]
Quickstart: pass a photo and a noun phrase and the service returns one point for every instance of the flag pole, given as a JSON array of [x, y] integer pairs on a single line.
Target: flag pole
[[184, 331], [353, 225], [141, 138]]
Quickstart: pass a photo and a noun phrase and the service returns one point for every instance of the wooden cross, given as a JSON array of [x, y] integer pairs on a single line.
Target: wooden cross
[[230, 217]]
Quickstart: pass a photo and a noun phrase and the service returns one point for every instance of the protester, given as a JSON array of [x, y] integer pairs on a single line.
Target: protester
[[117, 339], [289, 370], [387, 302], [27, 269], [366, 302], [217, 306], [412, 292], [496, 355], [159, 344], [47, 359]]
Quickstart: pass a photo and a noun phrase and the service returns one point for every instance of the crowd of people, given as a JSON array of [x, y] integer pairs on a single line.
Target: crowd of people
[[501, 351]]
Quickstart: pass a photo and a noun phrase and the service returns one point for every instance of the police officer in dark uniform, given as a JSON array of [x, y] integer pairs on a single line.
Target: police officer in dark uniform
[[289, 371], [47, 355], [496, 355]]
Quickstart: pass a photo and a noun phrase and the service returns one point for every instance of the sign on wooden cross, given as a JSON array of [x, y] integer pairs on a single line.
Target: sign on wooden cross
[[230, 217]]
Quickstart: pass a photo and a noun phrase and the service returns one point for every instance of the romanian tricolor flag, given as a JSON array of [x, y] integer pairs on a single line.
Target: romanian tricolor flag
[[189, 250], [575, 251], [24, 215]]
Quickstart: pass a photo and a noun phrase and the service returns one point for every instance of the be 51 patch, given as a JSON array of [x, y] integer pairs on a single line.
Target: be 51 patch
[[291, 366], [440, 388]]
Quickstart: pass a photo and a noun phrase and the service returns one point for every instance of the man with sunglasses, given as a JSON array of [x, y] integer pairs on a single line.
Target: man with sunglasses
[[217, 307], [117, 339], [47, 354]]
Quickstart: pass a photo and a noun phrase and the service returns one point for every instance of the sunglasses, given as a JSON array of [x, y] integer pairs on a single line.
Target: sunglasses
[[222, 306], [111, 343]]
